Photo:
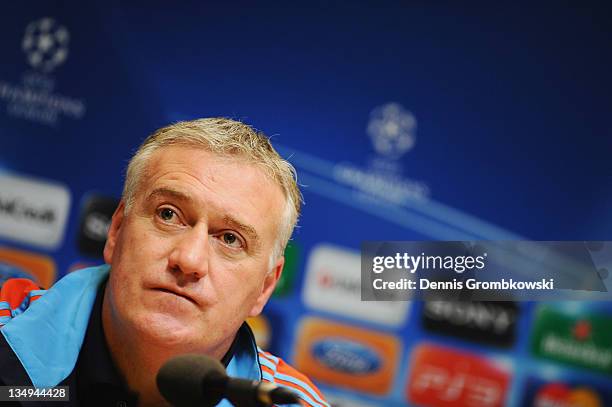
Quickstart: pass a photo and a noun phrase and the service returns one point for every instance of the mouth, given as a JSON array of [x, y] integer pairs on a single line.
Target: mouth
[[178, 294]]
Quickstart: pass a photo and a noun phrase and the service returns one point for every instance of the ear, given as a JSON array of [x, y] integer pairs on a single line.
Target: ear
[[269, 284], [113, 233]]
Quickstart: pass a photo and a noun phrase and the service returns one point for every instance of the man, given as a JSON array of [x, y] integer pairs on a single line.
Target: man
[[195, 247]]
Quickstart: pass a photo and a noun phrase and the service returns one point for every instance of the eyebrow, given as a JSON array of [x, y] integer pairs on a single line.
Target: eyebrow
[[247, 229], [227, 219], [169, 192]]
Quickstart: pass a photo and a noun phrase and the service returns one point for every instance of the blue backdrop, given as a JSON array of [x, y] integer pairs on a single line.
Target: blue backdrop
[[405, 121]]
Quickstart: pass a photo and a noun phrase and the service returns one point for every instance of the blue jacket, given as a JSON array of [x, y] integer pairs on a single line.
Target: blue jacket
[[47, 336]]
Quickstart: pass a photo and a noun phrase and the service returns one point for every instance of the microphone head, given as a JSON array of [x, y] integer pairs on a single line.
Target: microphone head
[[192, 380]]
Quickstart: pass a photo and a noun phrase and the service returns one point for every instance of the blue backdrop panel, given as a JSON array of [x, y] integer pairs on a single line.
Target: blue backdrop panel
[[405, 121]]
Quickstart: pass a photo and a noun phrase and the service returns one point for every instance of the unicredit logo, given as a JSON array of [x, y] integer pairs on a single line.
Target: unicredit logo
[[33, 211], [333, 284], [328, 281], [19, 209]]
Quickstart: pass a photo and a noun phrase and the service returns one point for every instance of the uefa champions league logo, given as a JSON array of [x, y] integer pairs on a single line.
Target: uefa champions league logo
[[392, 130], [45, 44], [36, 98]]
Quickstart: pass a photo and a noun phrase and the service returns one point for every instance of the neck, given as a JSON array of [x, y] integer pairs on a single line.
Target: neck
[[138, 358]]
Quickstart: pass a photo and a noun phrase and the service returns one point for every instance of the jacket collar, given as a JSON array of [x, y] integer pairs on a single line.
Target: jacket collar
[[48, 337]]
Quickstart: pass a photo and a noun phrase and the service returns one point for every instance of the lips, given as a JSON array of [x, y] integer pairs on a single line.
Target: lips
[[177, 293]]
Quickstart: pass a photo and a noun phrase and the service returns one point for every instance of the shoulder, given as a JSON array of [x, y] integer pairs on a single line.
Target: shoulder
[[279, 372]]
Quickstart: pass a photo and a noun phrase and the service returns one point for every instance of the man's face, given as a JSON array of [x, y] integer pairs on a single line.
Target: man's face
[[191, 259]]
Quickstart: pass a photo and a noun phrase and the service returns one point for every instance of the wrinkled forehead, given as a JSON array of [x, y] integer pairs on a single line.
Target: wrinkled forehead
[[231, 176], [158, 157]]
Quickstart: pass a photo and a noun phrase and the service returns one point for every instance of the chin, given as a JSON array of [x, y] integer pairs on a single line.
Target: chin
[[166, 330]]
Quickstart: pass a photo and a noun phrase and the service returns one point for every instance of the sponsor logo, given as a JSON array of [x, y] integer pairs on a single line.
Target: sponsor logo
[[539, 393], [342, 401], [96, 216], [287, 279], [347, 356], [491, 323], [45, 43], [583, 340], [559, 395], [333, 284], [8, 271], [443, 377], [18, 263], [33, 211]]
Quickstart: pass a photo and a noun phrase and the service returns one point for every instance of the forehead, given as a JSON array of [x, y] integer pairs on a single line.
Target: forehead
[[228, 184]]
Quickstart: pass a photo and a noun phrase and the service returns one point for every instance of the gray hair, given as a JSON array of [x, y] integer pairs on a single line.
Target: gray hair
[[224, 137]]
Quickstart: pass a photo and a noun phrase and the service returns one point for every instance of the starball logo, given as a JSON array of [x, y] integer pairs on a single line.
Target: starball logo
[[45, 44], [392, 130]]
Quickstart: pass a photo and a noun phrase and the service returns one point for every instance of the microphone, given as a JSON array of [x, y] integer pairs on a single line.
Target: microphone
[[198, 380]]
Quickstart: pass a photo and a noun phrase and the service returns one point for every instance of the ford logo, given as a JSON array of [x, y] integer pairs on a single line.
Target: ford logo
[[346, 356]]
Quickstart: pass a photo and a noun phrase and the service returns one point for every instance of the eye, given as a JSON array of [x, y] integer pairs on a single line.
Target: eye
[[231, 239], [167, 215]]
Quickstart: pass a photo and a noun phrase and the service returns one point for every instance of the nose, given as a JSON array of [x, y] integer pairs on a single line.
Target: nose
[[190, 253]]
